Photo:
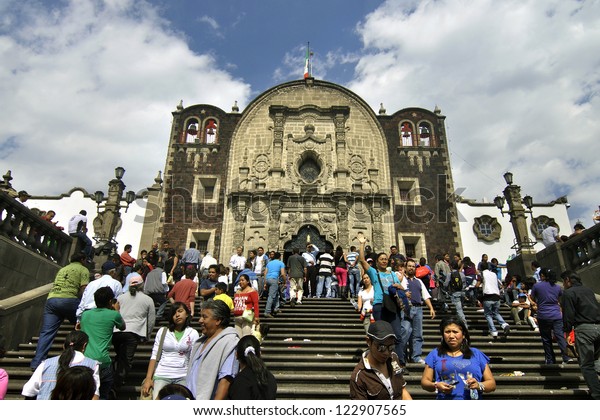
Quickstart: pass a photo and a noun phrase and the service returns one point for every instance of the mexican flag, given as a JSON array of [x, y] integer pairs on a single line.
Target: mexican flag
[[307, 64]]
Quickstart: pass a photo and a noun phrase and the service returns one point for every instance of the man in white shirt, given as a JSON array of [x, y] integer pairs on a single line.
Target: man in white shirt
[[207, 261], [77, 229], [550, 234], [412, 329], [258, 265], [87, 299], [311, 269], [237, 262], [491, 300]]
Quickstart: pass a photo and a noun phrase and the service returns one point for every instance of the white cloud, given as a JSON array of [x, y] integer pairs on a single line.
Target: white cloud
[[89, 86], [518, 82]]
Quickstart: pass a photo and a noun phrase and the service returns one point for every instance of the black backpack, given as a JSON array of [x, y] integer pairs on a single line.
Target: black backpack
[[456, 282]]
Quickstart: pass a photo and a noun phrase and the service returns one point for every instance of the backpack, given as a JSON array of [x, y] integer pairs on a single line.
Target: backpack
[[456, 282]]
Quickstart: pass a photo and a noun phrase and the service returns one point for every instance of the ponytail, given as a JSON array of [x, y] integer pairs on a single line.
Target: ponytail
[[75, 341], [248, 353]]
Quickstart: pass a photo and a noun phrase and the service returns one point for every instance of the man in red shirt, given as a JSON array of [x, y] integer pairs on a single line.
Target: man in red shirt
[[185, 290], [127, 260]]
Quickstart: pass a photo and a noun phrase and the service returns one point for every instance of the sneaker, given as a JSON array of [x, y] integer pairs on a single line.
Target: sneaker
[[404, 371], [299, 302], [569, 361], [269, 316], [420, 361], [536, 330], [506, 329]]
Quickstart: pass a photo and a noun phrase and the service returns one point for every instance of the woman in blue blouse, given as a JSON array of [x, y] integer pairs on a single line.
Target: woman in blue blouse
[[454, 370]]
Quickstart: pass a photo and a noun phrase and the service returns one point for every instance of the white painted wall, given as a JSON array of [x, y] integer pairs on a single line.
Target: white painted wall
[[66, 207], [501, 249]]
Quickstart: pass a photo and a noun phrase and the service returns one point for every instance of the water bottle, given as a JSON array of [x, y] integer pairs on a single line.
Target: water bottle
[[473, 392]]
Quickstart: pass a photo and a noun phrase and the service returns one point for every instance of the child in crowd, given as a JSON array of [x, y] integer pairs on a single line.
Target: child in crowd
[[221, 294]]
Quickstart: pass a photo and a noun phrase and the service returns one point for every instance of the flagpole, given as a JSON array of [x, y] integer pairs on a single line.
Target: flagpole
[[309, 61]]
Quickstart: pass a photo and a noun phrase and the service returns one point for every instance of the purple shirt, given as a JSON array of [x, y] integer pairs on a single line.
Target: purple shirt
[[546, 296]]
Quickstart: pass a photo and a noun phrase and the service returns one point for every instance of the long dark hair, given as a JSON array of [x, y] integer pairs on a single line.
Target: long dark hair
[[76, 383], [549, 275], [464, 347], [75, 340], [248, 353], [174, 307]]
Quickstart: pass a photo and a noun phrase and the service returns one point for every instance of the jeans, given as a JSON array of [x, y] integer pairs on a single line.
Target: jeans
[[273, 299], [324, 280], [55, 311], [161, 300], [547, 327], [87, 243], [491, 310], [106, 381], [456, 299], [587, 339], [412, 329], [396, 322], [162, 382], [311, 274], [354, 280], [125, 344]]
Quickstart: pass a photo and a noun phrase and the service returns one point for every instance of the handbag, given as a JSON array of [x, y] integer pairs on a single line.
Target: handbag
[[389, 303], [248, 315], [158, 356]]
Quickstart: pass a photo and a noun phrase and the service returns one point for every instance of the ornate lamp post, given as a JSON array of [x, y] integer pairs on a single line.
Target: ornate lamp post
[[108, 221], [518, 218]]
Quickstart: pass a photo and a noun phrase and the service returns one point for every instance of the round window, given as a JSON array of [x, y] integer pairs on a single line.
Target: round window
[[309, 169]]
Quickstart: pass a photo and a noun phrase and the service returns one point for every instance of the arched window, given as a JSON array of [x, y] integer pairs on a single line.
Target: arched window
[[191, 131], [425, 134], [406, 133], [211, 131]]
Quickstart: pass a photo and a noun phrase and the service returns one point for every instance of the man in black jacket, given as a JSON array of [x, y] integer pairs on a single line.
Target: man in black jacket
[[581, 311]]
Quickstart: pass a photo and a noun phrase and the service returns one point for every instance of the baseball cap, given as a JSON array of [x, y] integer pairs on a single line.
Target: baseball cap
[[135, 280], [380, 330]]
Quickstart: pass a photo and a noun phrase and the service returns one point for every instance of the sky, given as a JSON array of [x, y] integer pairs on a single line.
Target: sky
[[86, 86]]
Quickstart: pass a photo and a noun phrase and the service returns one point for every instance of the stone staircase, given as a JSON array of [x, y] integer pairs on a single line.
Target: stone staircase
[[313, 348]]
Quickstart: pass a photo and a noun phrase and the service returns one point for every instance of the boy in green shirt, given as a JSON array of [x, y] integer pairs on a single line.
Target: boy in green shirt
[[99, 324]]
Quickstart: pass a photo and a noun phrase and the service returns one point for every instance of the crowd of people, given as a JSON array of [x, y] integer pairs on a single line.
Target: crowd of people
[[212, 350]]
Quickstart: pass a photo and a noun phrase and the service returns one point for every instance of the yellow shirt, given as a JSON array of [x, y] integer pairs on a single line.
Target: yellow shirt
[[225, 298]]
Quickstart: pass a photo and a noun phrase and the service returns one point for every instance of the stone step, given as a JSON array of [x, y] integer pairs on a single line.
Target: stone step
[[321, 368]]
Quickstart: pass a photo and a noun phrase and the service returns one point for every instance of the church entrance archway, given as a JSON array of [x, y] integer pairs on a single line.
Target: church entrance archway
[[306, 234]]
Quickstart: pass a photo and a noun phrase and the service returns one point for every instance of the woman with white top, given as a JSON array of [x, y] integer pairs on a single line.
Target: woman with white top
[[365, 301], [42, 382], [175, 355]]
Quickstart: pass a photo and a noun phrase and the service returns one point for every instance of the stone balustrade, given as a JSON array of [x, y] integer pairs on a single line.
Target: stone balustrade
[[583, 249], [23, 226]]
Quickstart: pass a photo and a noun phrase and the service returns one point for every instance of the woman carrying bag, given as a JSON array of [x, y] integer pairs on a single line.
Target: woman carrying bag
[[171, 352], [245, 307]]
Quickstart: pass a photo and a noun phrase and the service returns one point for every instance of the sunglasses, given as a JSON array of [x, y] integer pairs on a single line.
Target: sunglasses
[[384, 347]]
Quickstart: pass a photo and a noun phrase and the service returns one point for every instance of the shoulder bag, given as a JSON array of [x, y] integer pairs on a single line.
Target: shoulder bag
[[158, 356], [389, 303]]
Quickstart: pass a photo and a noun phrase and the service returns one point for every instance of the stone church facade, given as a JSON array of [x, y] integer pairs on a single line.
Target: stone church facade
[[307, 161]]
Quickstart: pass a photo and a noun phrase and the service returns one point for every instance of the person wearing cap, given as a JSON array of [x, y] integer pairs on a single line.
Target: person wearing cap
[[107, 279], [137, 310], [23, 196], [521, 311], [378, 375]]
